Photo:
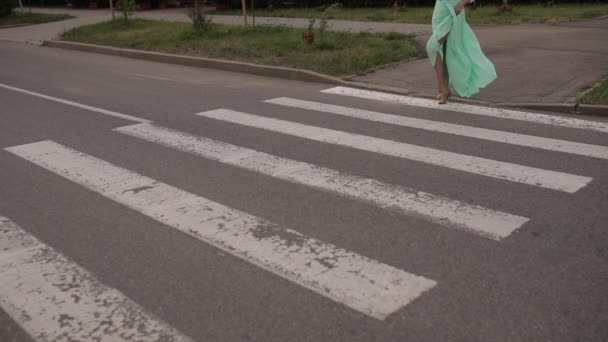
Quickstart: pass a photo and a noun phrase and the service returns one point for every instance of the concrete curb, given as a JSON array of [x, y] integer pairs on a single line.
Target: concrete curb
[[280, 72], [256, 69], [309, 76], [563, 108], [546, 22], [590, 19], [597, 110], [13, 26]]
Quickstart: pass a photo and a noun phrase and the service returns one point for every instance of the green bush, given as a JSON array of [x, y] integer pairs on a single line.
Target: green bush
[[6, 7], [127, 7], [200, 21]]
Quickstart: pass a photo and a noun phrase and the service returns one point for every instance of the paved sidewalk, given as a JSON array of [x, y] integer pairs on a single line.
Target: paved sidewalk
[[535, 62], [337, 25], [37, 33]]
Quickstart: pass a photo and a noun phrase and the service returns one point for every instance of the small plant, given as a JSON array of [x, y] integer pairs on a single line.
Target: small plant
[[395, 36], [322, 27], [311, 24], [324, 24], [127, 7], [309, 36], [200, 21], [331, 7]]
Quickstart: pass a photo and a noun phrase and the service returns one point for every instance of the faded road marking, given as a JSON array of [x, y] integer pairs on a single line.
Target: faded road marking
[[54, 299], [481, 166], [360, 283], [441, 210], [549, 144], [471, 109]]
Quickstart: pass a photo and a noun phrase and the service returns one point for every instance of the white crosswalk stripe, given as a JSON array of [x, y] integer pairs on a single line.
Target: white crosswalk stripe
[[365, 285], [54, 299], [483, 221], [549, 144], [471, 109], [486, 167]]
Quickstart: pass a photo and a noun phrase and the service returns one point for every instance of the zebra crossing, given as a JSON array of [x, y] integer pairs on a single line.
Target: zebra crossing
[[365, 285], [472, 109], [54, 299], [549, 144], [438, 209], [486, 167]]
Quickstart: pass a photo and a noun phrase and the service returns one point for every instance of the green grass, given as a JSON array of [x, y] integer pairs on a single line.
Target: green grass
[[337, 53], [31, 18], [597, 95], [422, 15]]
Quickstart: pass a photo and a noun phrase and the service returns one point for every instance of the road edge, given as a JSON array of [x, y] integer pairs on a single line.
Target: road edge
[[308, 76]]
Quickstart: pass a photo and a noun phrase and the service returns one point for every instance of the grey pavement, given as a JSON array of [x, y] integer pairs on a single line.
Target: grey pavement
[[546, 281], [35, 34], [534, 62]]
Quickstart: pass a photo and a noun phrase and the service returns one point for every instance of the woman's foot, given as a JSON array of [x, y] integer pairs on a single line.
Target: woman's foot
[[444, 97]]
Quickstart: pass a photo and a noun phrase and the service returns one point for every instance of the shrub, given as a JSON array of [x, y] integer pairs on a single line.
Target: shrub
[[127, 7], [200, 21]]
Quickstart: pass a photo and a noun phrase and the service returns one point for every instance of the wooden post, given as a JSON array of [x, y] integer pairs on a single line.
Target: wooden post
[[244, 3], [112, 8], [253, 11]]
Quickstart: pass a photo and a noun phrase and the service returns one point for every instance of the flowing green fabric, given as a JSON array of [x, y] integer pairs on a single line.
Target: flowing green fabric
[[468, 68]]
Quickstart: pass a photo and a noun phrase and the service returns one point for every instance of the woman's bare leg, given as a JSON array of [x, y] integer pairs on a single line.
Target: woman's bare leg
[[442, 74], [446, 74], [439, 73]]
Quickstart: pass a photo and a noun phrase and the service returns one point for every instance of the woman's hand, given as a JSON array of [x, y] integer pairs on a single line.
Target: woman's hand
[[458, 8]]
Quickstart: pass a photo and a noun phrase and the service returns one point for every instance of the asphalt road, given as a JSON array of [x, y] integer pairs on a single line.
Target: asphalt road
[[363, 269]]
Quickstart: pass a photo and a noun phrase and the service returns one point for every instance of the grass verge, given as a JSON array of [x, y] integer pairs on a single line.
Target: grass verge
[[422, 15], [31, 18], [597, 95], [335, 53]]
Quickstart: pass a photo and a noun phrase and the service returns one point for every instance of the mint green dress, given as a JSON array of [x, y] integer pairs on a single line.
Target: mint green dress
[[468, 68]]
